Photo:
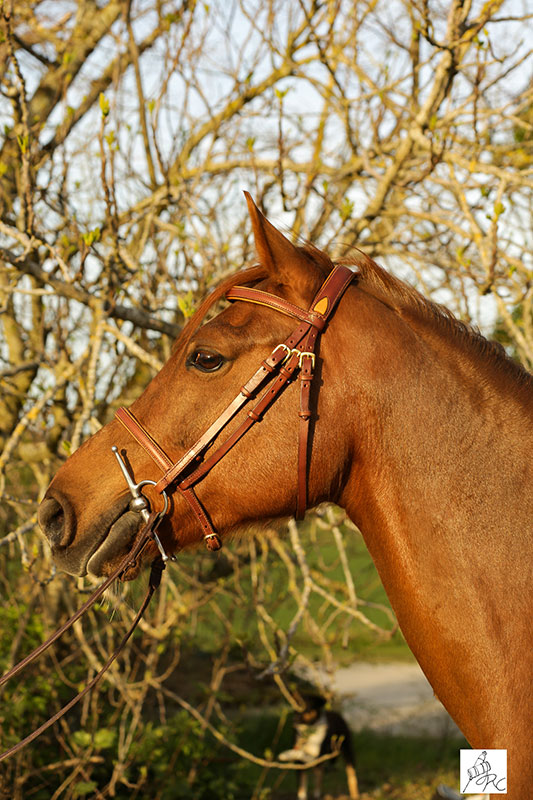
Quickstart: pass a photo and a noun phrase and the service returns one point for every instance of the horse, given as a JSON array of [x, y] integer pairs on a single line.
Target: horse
[[420, 429]]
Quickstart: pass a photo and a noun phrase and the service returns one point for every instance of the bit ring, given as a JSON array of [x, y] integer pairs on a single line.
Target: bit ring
[[163, 494]]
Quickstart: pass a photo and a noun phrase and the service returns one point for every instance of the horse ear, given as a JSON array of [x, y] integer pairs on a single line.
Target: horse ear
[[286, 264]]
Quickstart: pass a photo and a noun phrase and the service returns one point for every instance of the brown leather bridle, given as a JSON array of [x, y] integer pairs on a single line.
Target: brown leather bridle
[[296, 353]]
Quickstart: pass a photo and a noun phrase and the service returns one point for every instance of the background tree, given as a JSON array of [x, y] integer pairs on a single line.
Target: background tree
[[130, 128]]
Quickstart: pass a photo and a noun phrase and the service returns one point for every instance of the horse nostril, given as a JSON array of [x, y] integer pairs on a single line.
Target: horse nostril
[[52, 521]]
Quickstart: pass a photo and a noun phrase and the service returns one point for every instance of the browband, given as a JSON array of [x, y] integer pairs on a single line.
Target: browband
[[295, 354]]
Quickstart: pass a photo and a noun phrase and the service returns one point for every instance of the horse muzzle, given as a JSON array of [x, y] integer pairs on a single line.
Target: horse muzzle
[[72, 550]]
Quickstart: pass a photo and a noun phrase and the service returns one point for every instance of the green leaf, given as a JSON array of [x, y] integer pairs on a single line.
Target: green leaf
[[104, 739], [104, 104], [83, 788], [185, 305], [346, 209], [23, 143], [91, 236], [82, 738]]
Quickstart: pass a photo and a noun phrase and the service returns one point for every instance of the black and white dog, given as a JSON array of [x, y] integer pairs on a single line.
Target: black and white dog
[[318, 732]]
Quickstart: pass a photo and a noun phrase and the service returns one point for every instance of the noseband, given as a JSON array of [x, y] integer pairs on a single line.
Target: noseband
[[295, 354]]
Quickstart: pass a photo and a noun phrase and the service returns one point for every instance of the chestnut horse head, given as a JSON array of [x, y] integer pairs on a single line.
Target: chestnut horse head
[[421, 430], [86, 513]]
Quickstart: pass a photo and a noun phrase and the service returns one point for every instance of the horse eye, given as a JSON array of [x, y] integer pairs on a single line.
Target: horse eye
[[205, 361]]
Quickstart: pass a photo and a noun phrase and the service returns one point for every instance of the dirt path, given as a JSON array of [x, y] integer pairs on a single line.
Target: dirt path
[[395, 698]]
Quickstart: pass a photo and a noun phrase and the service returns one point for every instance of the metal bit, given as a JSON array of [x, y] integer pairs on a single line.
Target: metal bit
[[140, 503]]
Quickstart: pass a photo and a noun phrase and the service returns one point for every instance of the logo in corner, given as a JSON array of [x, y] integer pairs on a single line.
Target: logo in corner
[[483, 772]]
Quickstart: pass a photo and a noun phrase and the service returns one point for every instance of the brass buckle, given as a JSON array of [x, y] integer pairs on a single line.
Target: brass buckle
[[309, 355], [287, 350], [300, 353]]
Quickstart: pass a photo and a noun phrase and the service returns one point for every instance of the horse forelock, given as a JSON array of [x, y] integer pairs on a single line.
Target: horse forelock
[[408, 302]]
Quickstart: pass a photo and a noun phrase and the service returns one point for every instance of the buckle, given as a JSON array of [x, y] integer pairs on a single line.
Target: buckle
[[300, 353], [287, 350], [303, 354]]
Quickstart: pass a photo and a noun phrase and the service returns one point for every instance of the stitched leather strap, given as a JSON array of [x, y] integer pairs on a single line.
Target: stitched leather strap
[[324, 303], [332, 290], [212, 539], [147, 442], [307, 363], [261, 298], [272, 370]]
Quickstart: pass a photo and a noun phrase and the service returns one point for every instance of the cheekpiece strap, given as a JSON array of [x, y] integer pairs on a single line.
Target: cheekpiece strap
[[297, 353]]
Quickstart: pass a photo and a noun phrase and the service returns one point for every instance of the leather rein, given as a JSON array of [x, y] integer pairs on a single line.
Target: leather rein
[[295, 354], [145, 534]]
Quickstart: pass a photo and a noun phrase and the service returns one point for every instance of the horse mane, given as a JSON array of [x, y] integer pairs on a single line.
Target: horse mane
[[395, 293], [408, 302]]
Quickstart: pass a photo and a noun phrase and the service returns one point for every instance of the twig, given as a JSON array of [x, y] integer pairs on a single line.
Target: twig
[[33, 413], [24, 138], [135, 349], [88, 399], [26, 527], [304, 600], [262, 762]]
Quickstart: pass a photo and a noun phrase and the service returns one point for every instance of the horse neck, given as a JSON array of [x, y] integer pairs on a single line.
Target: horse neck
[[441, 432], [442, 490]]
